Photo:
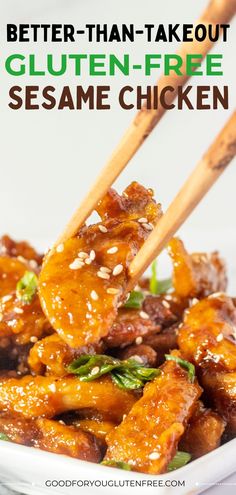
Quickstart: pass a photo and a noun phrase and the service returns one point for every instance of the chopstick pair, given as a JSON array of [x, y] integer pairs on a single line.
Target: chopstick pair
[[201, 179]]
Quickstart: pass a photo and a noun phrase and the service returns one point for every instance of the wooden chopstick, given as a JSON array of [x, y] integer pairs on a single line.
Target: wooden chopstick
[[217, 12], [207, 171]]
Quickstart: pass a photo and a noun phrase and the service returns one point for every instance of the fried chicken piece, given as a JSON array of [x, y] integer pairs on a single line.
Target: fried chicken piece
[[23, 322], [221, 393], [205, 336], [50, 396], [11, 271], [198, 274], [83, 281], [22, 249], [162, 343], [206, 340], [142, 353], [13, 358], [148, 436], [161, 311], [129, 325], [52, 355], [203, 433], [52, 436], [99, 429]]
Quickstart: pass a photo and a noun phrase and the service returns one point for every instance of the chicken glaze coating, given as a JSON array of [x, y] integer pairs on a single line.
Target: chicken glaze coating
[[99, 428], [148, 436], [220, 391], [162, 343], [197, 274], [142, 353], [129, 325], [52, 436], [11, 271], [205, 337], [24, 322], [21, 250], [52, 355], [84, 280], [50, 396]]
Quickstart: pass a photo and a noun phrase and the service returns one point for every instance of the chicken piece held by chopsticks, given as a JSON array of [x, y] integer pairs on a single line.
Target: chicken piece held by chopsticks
[[84, 280]]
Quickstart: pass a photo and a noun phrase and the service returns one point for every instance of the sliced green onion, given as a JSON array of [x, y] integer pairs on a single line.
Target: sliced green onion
[[158, 286], [4, 437], [185, 364], [180, 459], [135, 300], [26, 287], [117, 464], [128, 374]]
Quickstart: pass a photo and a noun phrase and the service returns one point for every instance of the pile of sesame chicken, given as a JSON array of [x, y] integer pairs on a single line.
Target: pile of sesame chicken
[[58, 316]]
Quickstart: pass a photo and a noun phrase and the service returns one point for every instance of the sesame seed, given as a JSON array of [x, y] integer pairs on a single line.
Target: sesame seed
[[88, 261], [112, 250], [154, 455], [112, 290], [76, 264], [102, 229], [95, 370], [19, 311], [94, 295], [144, 315], [103, 275], [83, 255], [61, 422], [6, 298], [143, 220], [219, 337], [92, 255], [33, 264], [60, 248], [194, 301], [168, 297], [105, 269], [126, 297], [117, 270], [71, 319], [216, 294], [137, 358], [1, 316], [147, 226], [165, 304], [33, 339], [138, 340], [21, 259], [52, 387]]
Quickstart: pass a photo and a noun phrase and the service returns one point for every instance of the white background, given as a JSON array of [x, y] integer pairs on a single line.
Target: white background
[[49, 158]]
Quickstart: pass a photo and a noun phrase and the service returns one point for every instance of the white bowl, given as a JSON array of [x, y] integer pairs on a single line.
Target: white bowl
[[29, 471]]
